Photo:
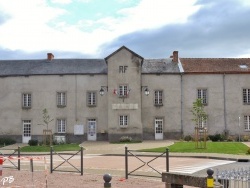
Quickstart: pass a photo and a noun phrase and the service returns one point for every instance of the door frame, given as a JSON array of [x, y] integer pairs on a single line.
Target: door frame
[[157, 120], [89, 136]]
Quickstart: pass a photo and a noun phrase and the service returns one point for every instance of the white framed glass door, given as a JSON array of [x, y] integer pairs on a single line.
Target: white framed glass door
[[158, 129], [92, 129], [26, 131]]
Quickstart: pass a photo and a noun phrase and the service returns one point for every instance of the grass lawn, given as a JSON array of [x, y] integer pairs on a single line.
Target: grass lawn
[[61, 147], [212, 147]]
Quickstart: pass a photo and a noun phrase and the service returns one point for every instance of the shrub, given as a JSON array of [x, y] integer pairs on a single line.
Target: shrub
[[216, 137], [33, 142], [188, 138], [6, 141], [245, 138], [230, 139], [248, 151], [125, 139]]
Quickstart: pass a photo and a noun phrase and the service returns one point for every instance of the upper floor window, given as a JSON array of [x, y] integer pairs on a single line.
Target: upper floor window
[[61, 125], [123, 121], [26, 100], [61, 99], [246, 96], [202, 94], [247, 123], [91, 98], [158, 98], [123, 91]]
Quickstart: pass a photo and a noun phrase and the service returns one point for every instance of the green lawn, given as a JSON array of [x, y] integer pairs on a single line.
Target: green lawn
[[212, 147], [61, 147]]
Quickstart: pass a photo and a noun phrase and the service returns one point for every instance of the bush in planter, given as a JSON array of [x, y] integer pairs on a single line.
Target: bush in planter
[[125, 139], [33, 142]]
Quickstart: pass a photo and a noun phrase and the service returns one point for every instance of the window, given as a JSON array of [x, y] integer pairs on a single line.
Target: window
[[61, 125], [202, 123], [158, 98], [158, 125], [247, 123], [123, 91], [26, 100], [246, 96], [202, 94], [123, 121], [61, 99], [91, 98]]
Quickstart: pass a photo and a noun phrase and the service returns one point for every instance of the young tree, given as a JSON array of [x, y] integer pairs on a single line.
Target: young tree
[[199, 116], [47, 134]]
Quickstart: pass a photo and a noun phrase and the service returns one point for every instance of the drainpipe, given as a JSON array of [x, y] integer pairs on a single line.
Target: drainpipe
[[181, 106], [225, 107]]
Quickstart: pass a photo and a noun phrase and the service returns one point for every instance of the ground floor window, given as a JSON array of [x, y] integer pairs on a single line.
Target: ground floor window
[[61, 125], [247, 123], [123, 121]]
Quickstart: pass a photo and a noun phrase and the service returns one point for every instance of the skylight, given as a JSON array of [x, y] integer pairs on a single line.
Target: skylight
[[243, 66]]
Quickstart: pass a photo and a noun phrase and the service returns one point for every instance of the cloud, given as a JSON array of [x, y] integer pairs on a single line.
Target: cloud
[[217, 30]]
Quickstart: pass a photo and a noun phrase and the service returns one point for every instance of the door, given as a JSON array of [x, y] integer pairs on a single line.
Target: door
[[26, 131], [92, 129], [158, 129]]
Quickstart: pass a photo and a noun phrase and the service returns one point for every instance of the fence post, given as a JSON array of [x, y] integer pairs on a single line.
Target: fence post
[[210, 178], [51, 159], [126, 162], [167, 160], [81, 160], [1, 166], [18, 160]]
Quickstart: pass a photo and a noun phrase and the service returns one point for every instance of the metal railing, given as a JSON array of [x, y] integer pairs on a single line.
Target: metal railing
[[144, 163], [234, 178], [52, 152], [9, 155]]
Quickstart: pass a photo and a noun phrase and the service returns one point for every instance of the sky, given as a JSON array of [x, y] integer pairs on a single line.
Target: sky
[[29, 29]]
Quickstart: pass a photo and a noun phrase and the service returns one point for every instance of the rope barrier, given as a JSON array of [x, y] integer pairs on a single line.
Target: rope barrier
[[23, 158]]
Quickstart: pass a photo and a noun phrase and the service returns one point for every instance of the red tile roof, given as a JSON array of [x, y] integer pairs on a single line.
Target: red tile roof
[[215, 65]]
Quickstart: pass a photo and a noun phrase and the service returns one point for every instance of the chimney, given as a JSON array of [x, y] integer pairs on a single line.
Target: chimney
[[175, 56], [50, 56]]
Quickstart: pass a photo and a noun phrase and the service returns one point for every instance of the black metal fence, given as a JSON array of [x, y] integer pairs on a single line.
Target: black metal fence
[[56, 168], [8, 155], [145, 163]]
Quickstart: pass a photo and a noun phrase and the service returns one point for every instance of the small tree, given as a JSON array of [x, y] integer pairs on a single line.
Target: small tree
[[199, 115], [47, 134]]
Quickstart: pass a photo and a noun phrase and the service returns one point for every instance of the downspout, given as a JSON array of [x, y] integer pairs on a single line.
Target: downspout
[[225, 107], [182, 73]]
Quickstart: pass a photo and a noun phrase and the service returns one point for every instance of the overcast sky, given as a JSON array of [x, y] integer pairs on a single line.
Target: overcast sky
[[151, 28]]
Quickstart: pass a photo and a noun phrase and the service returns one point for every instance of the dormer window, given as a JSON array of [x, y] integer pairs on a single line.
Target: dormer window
[[243, 66]]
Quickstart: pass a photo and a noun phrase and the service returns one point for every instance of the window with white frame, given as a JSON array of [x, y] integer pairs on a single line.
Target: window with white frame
[[247, 123], [246, 96], [158, 98], [202, 94], [91, 98], [202, 123], [123, 121], [61, 99], [26, 100], [123, 91], [61, 125]]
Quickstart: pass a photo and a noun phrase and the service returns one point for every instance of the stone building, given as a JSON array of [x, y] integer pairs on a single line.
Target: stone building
[[122, 95]]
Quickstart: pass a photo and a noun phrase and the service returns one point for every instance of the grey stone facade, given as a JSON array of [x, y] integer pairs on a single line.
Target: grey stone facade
[[123, 109]]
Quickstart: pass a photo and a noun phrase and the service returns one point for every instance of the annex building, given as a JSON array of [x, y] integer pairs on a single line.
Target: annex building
[[123, 95]]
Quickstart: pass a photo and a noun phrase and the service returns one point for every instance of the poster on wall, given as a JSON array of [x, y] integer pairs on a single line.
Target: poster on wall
[[78, 129]]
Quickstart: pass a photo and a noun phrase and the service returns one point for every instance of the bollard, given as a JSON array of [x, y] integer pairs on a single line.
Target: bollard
[[210, 178], [1, 166], [107, 178]]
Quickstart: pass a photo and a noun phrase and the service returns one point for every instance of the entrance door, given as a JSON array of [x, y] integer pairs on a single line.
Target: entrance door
[[158, 129], [92, 129], [26, 131]]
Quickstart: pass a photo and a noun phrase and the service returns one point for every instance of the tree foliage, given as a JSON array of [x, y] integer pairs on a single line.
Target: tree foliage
[[198, 111], [46, 118]]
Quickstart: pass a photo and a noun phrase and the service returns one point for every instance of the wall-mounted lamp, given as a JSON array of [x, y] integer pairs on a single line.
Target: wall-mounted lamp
[[146, 91], [102, 90]]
